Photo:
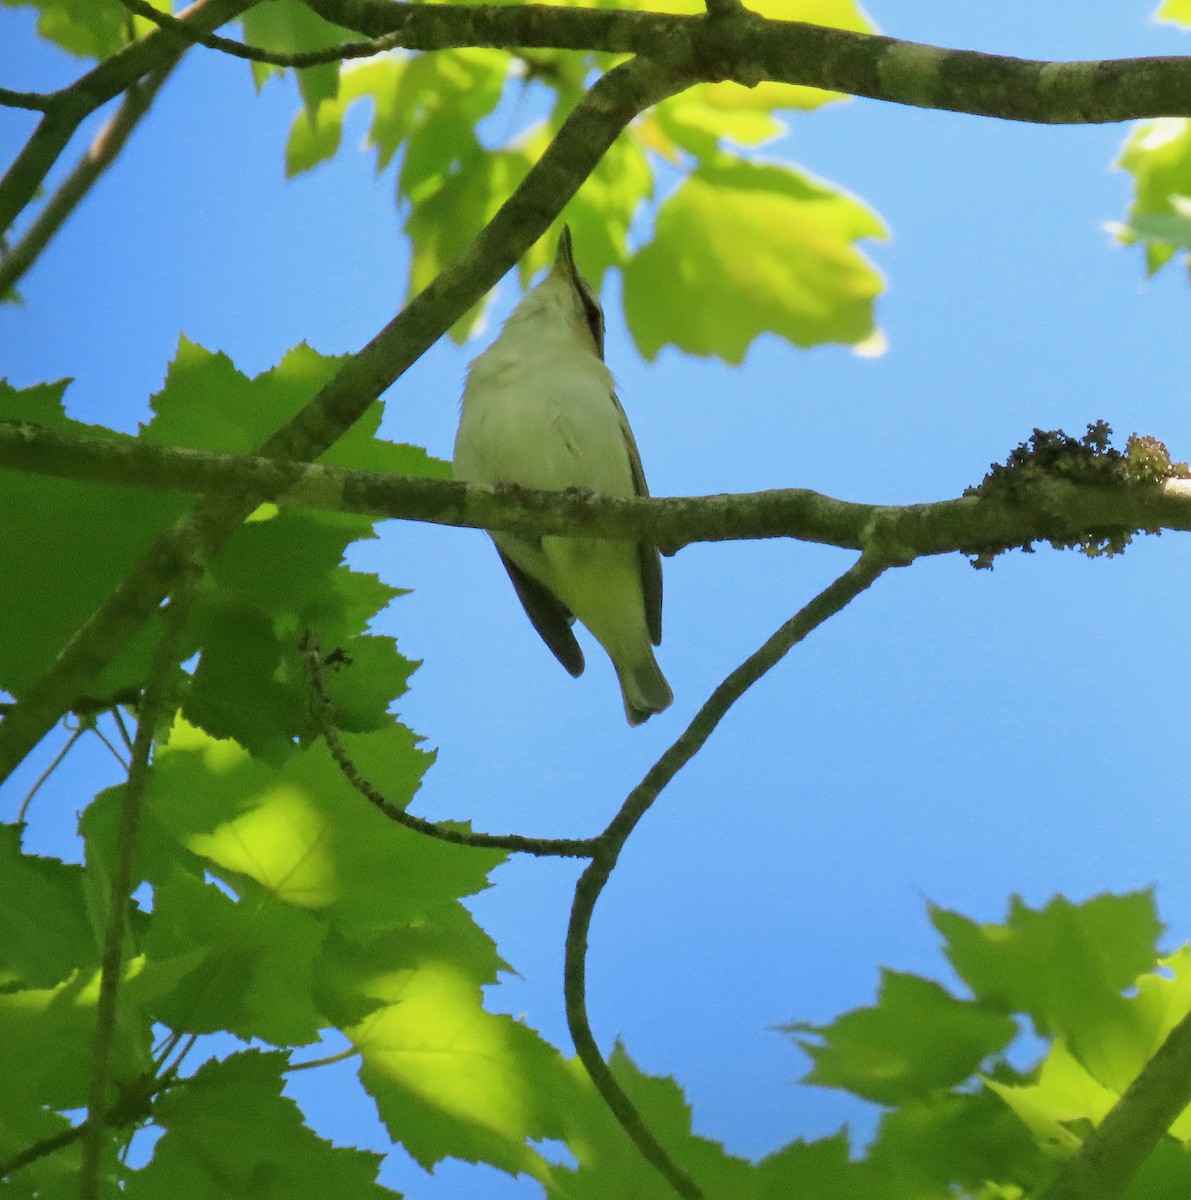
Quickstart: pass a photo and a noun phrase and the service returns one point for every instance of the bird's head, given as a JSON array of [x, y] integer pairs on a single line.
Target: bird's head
[[585, 305]]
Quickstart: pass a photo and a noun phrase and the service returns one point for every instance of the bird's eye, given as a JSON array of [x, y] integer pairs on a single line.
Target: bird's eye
[[595, 319]]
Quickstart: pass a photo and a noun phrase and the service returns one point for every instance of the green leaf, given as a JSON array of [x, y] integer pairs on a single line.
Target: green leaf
[[1039, 957], [1158, 155], [1064, 1093], [1065, 966], [315, 136], [65, 548], [955, 1140], [1076, 1090], [745, 248], [281, 573], [289, 27], [449, 1078], [53, 1177], [89, 28], [247, 964], [918, 1038], [444, 221], [439, 101], [601, 212], [45, 934], [432, 100], [609, 1165], [69, 544], [230, 1132], [1165, 1174], [303, 834], [46, 1036], [207, 404]]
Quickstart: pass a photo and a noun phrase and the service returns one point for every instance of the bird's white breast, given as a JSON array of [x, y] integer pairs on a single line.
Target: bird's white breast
[[541, 414]]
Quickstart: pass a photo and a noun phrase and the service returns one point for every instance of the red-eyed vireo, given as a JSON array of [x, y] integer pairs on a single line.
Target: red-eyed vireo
[[540, 410]]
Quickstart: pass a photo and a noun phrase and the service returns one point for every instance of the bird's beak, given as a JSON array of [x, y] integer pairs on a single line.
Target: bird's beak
[[564, 258]]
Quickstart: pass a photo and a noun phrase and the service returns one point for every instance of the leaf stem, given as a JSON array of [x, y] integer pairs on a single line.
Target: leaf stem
[[320, 704]]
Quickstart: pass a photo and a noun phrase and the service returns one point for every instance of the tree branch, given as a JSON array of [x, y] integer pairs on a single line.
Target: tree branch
[[308, 58], [95, 160], [749, 48], [67, 109], [1115, 1150], [1046, 507], [321, 711], [36, 101], [861, 575], [585, 136], [154, 704]]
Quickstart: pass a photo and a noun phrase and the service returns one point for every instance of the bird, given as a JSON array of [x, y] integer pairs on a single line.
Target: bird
[[540, 410]]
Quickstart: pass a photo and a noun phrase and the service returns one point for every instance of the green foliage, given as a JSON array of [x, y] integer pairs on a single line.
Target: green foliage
[[714, 241], [231, 1132], [752, 248], [89, 28], [917, 1039], [289, 27], [273, 905], [68, 544], [1158, 156]]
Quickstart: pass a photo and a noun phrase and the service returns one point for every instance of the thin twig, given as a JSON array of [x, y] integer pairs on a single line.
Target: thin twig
[[91, 165], [159, 687], [320, 706], [74, 737], [41, 1149], [124, 736], [341, 1056], [275, 58], [130, 1107], [591, 883], [171, 1071], [99, 733]]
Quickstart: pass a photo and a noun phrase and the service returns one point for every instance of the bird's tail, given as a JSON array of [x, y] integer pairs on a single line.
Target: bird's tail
[[643, 686]]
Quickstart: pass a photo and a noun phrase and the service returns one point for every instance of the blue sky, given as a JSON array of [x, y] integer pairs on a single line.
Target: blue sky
[[955, 736]]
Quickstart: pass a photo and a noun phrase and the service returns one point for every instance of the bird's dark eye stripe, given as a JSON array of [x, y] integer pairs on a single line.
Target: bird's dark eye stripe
[[595, 317]]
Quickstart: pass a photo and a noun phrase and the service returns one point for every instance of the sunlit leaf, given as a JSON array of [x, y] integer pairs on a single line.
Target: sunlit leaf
[[248, 962], [743, 249], [450, 1079], [1158, 156], [302, 833]]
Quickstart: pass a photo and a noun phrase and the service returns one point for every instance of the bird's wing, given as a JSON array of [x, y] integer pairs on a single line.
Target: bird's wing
[[651, 560], [549, 615]]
